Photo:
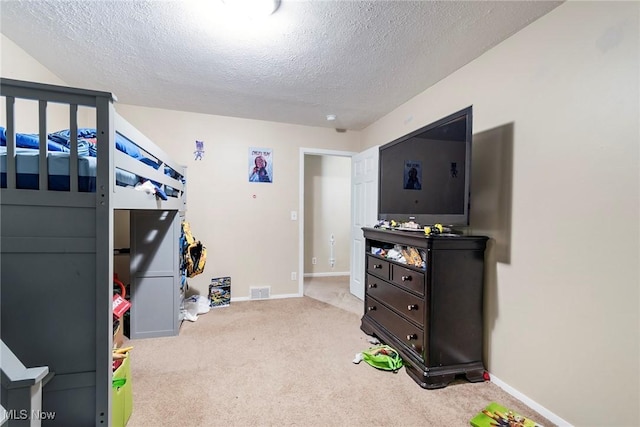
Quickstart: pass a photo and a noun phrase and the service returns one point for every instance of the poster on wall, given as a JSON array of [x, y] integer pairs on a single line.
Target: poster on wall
[[412, 175], [260, 164]]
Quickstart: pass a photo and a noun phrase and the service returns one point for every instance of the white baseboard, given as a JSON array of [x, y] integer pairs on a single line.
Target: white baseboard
[[278, 296], [530, 403], [329, 274]]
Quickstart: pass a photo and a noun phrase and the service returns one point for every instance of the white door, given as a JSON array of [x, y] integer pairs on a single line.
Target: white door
[[364, 211]]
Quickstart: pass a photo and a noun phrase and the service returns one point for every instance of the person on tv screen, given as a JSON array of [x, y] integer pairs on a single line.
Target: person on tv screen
[[412, 182]]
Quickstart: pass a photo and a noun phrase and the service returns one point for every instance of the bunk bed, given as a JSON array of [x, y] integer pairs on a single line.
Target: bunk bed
[[57, 202]]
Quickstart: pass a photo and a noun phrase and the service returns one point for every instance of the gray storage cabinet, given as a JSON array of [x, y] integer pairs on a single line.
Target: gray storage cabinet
[[155, 281]]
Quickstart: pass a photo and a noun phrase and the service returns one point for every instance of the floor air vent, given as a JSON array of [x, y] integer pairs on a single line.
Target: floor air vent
[[260, 293]]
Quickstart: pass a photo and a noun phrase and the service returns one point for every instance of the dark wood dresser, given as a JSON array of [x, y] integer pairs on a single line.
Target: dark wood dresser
[[431, 315]]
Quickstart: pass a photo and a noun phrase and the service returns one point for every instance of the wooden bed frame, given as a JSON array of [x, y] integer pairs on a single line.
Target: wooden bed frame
[[57, 255]]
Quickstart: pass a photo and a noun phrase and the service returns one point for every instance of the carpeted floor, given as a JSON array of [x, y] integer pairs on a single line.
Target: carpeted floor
[[287, 362], [333, 290]]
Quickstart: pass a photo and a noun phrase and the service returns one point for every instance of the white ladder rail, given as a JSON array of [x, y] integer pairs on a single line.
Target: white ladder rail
[[23, 388]]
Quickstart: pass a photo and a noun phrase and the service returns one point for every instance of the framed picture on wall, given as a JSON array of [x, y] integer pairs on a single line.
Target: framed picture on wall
[[412, 175], [260, 164]]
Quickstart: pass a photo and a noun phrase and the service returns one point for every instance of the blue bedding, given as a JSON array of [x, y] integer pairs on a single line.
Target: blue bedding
[[61, 141], [30, 140], [27, 163], [58, 143]]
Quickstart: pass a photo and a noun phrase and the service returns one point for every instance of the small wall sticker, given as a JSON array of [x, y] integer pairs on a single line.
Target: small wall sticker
[[199, 153]]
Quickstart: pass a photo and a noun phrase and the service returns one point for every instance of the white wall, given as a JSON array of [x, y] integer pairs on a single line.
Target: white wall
[[246, 227], [557, 105], [15, 64], [327, 212]]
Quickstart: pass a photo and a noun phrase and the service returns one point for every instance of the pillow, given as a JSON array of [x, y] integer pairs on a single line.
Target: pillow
[[86, 140], [64, 136], [86, 147]]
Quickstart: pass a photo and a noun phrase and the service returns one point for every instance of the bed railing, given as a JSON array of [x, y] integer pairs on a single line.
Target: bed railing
[[154, 165], [166, 175], [45, 94]]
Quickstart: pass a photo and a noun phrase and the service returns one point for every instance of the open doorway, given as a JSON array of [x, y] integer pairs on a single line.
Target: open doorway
[[325, 227]]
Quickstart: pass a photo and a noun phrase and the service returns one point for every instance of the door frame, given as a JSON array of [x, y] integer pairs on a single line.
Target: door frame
[[312, 152], [361, 213]]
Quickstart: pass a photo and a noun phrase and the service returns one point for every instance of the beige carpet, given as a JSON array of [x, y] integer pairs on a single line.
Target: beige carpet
[[333, 290], [287, 362]]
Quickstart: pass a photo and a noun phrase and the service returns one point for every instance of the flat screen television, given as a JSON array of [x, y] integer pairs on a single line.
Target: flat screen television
[[424, 175]]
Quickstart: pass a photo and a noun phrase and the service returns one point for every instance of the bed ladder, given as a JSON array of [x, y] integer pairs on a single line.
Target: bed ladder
[[21, 390]]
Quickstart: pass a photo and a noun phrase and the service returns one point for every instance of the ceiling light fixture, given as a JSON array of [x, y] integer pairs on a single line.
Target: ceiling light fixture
[[252, 8], [331, 117]]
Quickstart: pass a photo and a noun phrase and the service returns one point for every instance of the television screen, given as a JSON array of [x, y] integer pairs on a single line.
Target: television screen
[[424, 176]]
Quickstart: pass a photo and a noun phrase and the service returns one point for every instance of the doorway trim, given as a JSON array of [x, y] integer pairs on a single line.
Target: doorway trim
[[313, 152]]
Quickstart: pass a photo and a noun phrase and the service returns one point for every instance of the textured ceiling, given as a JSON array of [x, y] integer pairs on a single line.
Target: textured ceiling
[[356, 59]]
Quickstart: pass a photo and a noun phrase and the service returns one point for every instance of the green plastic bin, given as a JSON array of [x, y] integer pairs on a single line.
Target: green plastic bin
[[121, 397]]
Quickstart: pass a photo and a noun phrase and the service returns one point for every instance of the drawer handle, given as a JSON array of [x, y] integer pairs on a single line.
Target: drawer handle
[[412, 307], [371, 308], [373, 285], [406, 278], [412, 337], [377, 266]]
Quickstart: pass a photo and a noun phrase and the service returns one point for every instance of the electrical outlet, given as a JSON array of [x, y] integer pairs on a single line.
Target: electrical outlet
[[294, 216], [294, 275], [314, 260]]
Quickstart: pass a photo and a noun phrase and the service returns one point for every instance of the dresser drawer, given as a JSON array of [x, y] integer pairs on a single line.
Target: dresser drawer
[[408, 279], [378, 267], [411, 335], [406, 304]]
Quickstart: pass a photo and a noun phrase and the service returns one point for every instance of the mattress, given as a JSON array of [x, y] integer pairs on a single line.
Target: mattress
[[27, 163]]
